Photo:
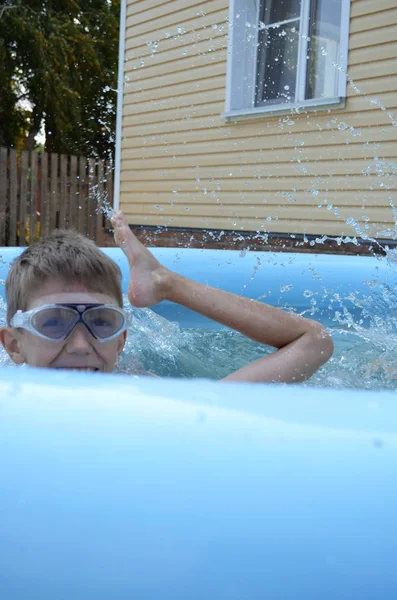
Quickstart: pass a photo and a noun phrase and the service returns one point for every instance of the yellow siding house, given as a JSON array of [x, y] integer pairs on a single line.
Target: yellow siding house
[[259, 115]]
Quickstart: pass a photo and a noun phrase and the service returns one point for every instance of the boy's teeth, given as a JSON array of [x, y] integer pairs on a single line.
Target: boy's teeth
[[89, 369]]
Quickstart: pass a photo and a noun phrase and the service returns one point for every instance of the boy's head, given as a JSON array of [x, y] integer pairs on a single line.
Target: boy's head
[[62, 268]]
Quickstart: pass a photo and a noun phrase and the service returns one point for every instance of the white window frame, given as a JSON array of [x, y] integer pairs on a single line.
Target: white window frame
[[241, 66]]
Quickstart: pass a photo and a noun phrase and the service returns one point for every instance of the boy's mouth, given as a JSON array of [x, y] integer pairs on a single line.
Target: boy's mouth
[[89, 369]]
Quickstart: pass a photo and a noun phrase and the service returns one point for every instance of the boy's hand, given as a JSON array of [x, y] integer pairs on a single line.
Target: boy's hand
[[148, 278]]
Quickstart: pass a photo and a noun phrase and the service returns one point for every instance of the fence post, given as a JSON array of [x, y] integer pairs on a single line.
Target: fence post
[[12, 232], [99, 205], [72, 192], [44, 204], [33, 195], [63, 209], [109, 184], [83, 196], [109, 190], [54, 191], [3, 195], [23, 192], [91, 197]]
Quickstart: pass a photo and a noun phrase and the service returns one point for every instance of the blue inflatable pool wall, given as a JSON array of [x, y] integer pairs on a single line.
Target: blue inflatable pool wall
[[118, 488]]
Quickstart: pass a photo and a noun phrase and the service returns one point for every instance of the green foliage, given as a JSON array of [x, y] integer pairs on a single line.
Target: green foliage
[[61, 57]]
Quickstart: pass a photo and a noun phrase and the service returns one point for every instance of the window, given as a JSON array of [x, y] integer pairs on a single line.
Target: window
[[285, 54]]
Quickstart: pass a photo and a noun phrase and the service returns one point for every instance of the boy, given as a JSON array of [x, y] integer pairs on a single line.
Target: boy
[[64, 310]]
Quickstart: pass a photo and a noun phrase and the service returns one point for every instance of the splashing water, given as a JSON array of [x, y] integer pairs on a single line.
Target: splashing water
[[160, 346], [365, 356]]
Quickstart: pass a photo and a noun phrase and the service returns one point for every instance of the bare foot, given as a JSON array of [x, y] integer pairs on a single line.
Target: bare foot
[[148, 277]]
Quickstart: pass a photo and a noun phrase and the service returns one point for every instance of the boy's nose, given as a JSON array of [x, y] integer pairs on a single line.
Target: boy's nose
[[79, 341]]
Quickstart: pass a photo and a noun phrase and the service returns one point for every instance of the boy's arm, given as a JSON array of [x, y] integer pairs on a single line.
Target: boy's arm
[[303, 345]]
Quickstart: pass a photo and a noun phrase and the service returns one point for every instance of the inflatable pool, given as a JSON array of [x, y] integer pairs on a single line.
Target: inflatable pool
[[117, 487]]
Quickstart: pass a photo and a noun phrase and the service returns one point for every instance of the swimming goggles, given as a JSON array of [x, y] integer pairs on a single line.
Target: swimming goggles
[[56, 322]]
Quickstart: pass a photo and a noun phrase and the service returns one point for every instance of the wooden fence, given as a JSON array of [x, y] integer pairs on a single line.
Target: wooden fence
[[40, 192]]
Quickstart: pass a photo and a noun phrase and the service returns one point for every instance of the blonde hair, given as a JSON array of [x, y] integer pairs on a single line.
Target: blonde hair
[[65, 256]]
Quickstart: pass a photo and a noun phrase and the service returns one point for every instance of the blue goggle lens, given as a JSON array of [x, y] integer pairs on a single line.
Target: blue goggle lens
[[57, 322]]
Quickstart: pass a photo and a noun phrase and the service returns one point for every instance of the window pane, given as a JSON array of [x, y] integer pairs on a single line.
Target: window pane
[[324, 53], [274, 11], [277, 63]]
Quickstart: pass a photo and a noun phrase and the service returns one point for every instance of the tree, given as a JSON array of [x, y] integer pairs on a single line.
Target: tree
[[59, 57]]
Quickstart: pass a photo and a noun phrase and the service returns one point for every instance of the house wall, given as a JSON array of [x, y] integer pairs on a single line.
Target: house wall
[[184, 166]]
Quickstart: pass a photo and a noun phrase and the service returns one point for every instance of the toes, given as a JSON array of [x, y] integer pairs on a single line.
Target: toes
[[120, 226], [118, 219]]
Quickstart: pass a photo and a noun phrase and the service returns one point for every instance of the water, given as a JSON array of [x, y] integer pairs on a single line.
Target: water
[[357, 362], [364, 357]]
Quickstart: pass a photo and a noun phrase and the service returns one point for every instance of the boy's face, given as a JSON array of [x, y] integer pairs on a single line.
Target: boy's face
[[79, 350]]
